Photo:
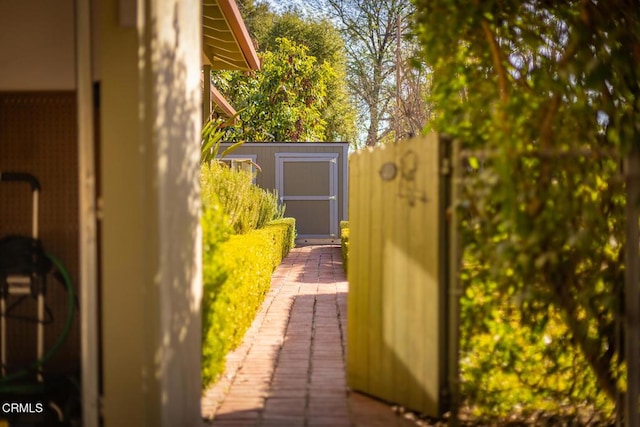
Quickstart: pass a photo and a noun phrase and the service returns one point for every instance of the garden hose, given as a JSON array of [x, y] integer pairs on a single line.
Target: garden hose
[[5, 382]]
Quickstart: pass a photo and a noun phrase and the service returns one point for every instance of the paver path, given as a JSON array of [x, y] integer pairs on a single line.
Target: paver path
[[290, 369]]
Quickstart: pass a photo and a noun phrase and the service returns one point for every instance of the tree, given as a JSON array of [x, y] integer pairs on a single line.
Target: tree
[[258, 18], [551, 90], [326, 45], [323, 42], [414, 109], [282, 102], [320, 36], [369, 28]]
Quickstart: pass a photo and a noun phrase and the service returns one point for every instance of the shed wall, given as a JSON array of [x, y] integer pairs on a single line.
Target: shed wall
[[266, 158]]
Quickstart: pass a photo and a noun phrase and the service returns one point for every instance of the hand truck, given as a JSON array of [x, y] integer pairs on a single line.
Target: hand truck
[[23, 270]]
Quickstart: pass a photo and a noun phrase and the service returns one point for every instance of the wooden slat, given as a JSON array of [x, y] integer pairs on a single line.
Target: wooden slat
[[433, 263], [212, 13], [354, 376], [363, 249], [389, 194], [217, 35], [415, 248], [378, 379], [399, 283]]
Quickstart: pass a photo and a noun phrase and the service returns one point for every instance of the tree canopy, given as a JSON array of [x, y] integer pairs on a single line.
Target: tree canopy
[[314, 103], [545, 98], [282, 102]]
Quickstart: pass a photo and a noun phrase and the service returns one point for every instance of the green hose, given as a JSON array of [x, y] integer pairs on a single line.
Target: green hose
[[25, 388]]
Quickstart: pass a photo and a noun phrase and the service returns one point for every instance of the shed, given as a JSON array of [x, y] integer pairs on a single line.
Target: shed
[[311, 179]]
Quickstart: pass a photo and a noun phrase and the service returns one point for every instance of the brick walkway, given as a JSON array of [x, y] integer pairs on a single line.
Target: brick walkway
[[290, 369]]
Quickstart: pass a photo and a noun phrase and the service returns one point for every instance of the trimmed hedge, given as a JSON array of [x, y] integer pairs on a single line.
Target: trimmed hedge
[[247, 206], [237, 276], [344, 238]]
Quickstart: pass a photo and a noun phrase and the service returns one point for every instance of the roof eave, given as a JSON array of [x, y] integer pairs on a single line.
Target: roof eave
[[222, 104], [231, 13]]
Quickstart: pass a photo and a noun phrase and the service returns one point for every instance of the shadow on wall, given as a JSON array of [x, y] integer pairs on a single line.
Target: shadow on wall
[[178, 280]]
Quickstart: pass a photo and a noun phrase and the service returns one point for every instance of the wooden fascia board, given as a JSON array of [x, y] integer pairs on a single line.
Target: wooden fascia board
[[221, 105], [230, 10], [221, 102], [204, 58]]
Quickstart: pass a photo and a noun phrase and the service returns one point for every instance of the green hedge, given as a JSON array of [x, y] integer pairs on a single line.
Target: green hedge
[[344, 238], [247, 206], [237, 276]]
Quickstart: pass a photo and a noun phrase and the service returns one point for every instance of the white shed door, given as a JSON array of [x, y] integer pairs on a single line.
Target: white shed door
[[307, 184]]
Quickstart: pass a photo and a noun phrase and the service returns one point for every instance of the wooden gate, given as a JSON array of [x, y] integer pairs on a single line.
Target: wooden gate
[[398, 270]]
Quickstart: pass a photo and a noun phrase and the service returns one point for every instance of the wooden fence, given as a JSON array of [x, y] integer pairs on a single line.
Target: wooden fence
[[397, 303]]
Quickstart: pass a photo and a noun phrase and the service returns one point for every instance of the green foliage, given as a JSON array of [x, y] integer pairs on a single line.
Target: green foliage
[[344, 238], [562, 263], [215, 231], [212, 136], [325, 44], [516, 365], [322, 42], [237, 276], [246, 206], [258, 18], [284, 233], [236, 268], [320, 36], [544, 96], [282, 102]]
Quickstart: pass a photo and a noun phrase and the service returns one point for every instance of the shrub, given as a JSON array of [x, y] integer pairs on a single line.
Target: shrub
[[511, 368], [269, 208], [215, 231], [284, 234], [344, 238], [237, 277], [247, 206]]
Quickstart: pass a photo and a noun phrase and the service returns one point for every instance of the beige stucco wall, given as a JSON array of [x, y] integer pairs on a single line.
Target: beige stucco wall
[[151, 255], [149, 150], [37, 45]]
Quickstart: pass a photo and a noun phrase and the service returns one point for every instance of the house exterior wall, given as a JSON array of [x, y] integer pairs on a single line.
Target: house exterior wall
[[151, 255], [33, 33], [149, 72], [26, 146], [266, 158], [38, 135]]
